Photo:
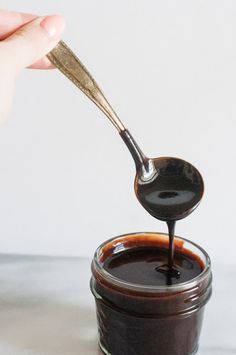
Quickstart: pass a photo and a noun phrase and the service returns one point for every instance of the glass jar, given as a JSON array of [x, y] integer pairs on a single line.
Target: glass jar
[[138, 319]]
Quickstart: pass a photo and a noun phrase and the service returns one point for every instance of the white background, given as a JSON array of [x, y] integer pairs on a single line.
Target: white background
[[169, 69]]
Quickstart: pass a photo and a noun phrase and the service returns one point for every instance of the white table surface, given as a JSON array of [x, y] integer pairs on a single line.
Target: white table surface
[[46, 308]]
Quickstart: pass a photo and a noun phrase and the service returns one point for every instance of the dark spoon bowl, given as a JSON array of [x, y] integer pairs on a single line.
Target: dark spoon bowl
[[171, 191]]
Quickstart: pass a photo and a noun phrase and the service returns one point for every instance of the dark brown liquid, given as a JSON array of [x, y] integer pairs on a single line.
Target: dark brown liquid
[[170, 194], [145, 323], [148, 265], [173, 193]]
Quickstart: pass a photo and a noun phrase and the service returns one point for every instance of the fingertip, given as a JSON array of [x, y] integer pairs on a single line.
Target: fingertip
[[54, 25], [33, 41]]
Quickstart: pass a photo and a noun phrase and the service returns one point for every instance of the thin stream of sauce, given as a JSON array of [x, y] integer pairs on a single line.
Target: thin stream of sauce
[[171, 230], [169, 190]]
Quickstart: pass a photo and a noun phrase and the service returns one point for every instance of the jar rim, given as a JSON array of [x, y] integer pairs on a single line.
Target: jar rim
[[151, 288]]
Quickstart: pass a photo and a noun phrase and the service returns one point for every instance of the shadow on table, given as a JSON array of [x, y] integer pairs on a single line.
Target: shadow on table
[[43, 328]]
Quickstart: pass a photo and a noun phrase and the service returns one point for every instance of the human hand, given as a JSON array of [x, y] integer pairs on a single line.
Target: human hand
[[25, 39]]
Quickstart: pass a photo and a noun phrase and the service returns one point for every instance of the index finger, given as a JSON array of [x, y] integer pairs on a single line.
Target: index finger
[[10, 21]]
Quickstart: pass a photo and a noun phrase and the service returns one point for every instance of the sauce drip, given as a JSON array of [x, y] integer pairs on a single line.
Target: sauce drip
[[169, 189]]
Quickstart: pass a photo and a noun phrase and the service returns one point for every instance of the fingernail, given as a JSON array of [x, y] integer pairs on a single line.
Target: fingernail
[[53, 25]]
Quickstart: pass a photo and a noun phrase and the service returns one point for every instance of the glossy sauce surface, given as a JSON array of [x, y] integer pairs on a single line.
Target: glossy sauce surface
[[149, 266], [173, 193]]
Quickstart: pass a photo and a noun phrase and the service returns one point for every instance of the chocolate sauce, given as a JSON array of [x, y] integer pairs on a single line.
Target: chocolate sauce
[[146, 301], [168, 188], [171, 230], [140, 314], [146, 266]]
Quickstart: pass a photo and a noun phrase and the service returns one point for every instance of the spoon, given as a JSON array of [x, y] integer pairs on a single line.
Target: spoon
[[168, 188]]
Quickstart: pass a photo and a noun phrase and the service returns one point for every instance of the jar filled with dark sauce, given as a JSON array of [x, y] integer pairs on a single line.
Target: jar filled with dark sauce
[[142, 311]]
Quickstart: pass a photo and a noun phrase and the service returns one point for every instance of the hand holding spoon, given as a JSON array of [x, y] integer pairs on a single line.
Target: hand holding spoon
[[168, 188]]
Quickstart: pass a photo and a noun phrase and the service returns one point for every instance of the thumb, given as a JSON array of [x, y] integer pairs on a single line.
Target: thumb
[[32, 41]]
